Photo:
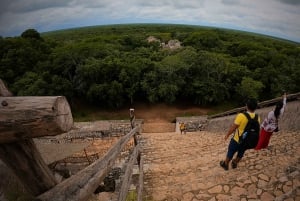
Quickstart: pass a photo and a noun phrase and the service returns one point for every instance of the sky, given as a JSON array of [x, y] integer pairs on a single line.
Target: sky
[[279, 18]]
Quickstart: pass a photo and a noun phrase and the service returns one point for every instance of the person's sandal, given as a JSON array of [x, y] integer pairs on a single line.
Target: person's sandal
[[223, 165], [233, 164]]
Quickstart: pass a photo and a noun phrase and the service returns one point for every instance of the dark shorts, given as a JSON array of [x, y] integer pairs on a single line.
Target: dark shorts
[[234, 147]]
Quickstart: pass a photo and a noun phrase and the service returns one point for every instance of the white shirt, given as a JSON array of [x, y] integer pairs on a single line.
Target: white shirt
[[270, 123]]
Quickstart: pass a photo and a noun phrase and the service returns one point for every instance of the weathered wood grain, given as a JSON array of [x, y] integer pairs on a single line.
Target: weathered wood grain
[[141, 179], [3, 90], [22, 156], [25, 161], [80, 186], [29, 116], [128, 174], [260, 105]]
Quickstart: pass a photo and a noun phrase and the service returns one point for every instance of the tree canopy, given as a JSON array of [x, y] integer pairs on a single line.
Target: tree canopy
[[112, 66]]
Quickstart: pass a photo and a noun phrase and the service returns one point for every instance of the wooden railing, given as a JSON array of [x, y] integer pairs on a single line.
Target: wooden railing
[[260, 105], [23, 118], [81, 185]]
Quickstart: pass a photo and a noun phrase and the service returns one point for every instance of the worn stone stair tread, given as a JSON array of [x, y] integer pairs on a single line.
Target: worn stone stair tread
[[180, 167]]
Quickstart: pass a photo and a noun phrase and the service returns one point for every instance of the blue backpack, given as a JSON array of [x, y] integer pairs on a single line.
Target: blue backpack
[[250, 136]]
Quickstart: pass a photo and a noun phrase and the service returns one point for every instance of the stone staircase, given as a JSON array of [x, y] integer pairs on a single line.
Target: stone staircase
[[186, 168]]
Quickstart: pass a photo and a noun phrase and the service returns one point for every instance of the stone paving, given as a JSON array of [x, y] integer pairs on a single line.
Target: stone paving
[[186, 168]]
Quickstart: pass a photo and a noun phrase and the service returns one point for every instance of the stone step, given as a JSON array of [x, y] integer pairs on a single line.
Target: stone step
[[186, 167]]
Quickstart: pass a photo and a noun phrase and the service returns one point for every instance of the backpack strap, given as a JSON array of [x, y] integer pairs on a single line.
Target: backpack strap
[[248, 116]]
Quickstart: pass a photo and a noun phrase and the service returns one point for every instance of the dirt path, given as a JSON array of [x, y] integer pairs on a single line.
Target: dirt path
[[154, 112], [166, 113], [186, 168]]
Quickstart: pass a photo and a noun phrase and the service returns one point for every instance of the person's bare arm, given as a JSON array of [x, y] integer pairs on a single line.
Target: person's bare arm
[[284, 103], [231, 130]]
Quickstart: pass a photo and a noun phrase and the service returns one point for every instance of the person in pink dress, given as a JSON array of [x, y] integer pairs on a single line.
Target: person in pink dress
[[270, 124]]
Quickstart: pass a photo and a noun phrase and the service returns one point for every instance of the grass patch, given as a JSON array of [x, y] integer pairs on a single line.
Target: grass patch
[[221, 108], [131, 196], [83, 112], [95, 114], [83, 116]]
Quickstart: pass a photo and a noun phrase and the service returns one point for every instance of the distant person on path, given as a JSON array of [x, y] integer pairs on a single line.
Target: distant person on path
[[270, 124], [182, 127], [132, 117], [238, 128]]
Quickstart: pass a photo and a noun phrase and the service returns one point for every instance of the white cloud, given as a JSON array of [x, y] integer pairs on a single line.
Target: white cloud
[[275, 17]]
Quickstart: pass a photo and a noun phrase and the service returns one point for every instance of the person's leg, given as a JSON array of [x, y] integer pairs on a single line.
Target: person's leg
[[234, 162], [238, 158], [261, 139], [267, 140], [232, 148]]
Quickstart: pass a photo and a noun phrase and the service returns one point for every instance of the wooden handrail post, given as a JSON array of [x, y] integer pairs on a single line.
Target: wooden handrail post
[[21, 119], [132, 118], [141, 178], [24, 159], [81, 185]]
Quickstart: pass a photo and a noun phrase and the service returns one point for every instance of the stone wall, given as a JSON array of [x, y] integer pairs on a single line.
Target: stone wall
[[289, 121], [192, 124]]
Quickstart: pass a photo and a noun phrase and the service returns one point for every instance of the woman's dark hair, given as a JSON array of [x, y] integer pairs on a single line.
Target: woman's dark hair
[[278, 107]]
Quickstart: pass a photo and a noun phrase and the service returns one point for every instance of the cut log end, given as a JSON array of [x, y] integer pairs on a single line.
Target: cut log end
[[64, 117]]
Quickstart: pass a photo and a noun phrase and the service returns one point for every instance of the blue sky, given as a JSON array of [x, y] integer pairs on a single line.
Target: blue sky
[[279, 18]]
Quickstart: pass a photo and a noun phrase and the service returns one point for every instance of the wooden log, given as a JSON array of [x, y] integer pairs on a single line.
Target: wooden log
[[24, 159], [29, 116], [128, 175], [3, 90], [141, 179], [260, 105], [26, 162], [79, 187]]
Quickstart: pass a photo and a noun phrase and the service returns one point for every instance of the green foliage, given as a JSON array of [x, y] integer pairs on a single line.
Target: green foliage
[[249, 88], [114, 66], [203, 40], [131, 196], [31, 33]]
